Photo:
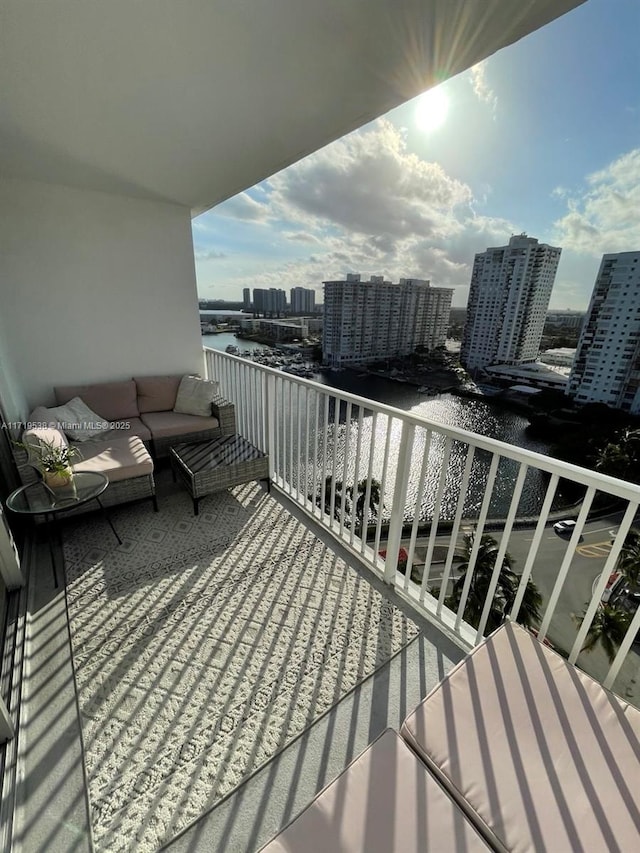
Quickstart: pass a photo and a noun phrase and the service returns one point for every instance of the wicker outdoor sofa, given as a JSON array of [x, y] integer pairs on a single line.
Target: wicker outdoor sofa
[[138, 421]]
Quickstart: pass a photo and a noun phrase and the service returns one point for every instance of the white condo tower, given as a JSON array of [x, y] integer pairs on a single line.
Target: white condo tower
[[607, 364], [508, 300], [366, 321]]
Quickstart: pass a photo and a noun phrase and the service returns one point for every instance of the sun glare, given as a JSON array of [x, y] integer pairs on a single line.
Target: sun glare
[[431, 110]]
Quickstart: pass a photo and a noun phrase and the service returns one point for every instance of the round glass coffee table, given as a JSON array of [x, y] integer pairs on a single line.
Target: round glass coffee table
[[38, 499]]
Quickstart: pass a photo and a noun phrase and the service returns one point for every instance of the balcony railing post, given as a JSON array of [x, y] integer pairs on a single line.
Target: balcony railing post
[[396, 523], [269, 396], [206, 363]]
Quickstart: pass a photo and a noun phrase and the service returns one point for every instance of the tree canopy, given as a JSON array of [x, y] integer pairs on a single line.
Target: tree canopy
[[608, 629], [506, 588]]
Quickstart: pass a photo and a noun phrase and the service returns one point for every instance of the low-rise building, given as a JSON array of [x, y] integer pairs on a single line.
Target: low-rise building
[[559, 357], [534, 375], [284, 330], [566, 319]]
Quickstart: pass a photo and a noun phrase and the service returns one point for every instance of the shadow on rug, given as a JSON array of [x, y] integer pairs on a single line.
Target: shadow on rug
[[203, 646]]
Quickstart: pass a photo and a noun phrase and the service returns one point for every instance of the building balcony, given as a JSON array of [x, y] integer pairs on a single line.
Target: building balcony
[[98, 282], [142, 662], [439, 484]]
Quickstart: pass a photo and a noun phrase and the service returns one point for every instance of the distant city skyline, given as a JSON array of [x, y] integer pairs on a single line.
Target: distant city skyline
[[540, 138]]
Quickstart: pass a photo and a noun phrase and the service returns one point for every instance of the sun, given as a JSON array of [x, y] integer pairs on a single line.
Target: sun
[[431, 110]]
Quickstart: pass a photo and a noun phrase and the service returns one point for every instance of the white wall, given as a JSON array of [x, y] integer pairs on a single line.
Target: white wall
[[12, 399], [93, 287], [12, 406]]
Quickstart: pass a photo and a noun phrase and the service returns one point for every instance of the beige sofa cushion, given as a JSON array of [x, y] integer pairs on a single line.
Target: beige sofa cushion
[[118, 458], [168, 424], [385, 801], [541, 755], [157, 393], [124, 429], [114, 401]]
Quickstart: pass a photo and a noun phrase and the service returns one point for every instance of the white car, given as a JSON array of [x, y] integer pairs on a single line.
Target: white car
[[564, 526]]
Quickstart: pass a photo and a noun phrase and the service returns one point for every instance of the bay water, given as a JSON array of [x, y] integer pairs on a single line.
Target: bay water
[[476, 416]]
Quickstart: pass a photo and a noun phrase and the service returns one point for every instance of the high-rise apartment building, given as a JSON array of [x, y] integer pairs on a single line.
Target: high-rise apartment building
[[508, 300], [269, 303], [607, 364], [367, 321], [303, 300], [246, 299]]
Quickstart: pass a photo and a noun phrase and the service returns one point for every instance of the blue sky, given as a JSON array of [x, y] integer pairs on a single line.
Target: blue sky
[[542, 137]]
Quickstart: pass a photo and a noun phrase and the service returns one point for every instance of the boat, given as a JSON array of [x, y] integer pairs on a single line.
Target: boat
[[232, 349]]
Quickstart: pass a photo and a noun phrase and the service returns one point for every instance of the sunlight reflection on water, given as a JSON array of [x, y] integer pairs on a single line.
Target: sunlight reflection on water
[[446, 409]]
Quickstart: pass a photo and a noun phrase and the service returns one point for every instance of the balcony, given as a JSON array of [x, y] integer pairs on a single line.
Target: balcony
[[100, 181], [116, 689], [436, 485], [439, 484]]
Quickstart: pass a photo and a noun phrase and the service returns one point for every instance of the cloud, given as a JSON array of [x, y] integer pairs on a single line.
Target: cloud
[[208, 255], [300, 237], [368, 183], [481, 88], [605, 215], [242, 206], [364, 204]]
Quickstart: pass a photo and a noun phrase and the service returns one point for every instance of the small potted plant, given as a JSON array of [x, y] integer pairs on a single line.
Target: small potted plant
[[53, 461]]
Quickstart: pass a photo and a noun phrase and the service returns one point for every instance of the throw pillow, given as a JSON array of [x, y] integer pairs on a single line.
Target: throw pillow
[[78, 421], [195, 396], [41, 427], [41, 432]]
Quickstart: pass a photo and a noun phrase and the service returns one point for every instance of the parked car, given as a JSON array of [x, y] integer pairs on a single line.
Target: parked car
[[616, 579], [564, 526]]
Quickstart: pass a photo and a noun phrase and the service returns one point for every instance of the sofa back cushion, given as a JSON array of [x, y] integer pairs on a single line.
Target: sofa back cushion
[[157, 393], [113, 401]]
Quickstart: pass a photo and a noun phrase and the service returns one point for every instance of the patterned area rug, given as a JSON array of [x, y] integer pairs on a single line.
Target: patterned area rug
[[204, 645]]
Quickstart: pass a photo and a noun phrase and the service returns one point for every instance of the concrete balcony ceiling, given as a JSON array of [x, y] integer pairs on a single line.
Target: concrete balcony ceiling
[[193, 102]]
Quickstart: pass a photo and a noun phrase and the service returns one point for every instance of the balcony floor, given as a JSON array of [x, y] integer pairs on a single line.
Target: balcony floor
[[51, 795]]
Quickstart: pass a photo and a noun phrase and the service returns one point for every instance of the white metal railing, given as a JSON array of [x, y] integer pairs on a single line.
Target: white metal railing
[[331, 452]]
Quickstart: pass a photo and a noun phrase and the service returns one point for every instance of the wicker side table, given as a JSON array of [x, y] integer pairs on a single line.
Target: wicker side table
[[217, 464]]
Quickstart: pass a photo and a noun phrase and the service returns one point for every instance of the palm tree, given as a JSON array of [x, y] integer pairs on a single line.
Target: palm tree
[[375, 502], [629, 560], [620, 457], [324, 500], [506, 588], [608, 629]]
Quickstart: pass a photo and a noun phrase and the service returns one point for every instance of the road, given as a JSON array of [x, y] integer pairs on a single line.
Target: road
[[586, 565]]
